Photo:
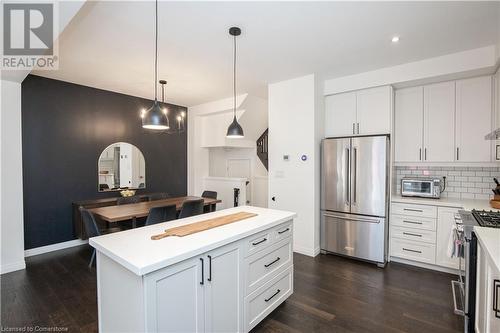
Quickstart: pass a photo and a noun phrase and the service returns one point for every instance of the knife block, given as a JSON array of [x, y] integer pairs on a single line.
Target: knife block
[[495, 203]]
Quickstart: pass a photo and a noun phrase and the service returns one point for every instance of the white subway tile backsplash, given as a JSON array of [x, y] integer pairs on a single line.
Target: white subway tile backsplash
[[461, 182]]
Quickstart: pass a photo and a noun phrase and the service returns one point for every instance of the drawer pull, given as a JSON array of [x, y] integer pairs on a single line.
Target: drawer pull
[[270, 298], [272, 262], [411, 234], [412, 222], [283, 231], [261, 241], [496, 296], [409, 250], [413, 210]]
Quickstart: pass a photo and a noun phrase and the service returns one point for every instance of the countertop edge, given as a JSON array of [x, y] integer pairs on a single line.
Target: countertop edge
[[162, 264], [479, 231]]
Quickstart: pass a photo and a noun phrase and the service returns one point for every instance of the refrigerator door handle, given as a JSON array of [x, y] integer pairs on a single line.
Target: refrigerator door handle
[[354, 173], [348, 178]]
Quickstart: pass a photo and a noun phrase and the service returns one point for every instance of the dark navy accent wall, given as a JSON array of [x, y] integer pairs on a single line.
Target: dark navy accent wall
[[65, 127]]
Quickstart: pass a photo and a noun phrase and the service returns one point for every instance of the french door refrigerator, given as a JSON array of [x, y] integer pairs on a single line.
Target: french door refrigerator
[[354, 201]]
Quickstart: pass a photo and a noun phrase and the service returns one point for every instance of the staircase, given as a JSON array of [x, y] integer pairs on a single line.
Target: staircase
[[262, 145]]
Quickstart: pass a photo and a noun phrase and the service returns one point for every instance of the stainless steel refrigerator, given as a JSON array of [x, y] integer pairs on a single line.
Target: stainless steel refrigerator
[[354, 200]]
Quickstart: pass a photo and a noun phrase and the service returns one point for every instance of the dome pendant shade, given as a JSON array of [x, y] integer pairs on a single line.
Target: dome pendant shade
[[234, 131], [155, 118]]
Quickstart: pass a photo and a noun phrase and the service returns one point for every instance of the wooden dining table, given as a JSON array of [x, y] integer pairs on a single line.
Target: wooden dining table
[[126, 212]]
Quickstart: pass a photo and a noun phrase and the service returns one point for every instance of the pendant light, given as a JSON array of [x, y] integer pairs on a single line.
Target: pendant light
[[155, 118], [234, 131]]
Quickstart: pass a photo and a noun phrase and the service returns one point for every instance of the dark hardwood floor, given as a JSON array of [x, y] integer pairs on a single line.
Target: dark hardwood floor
[[331, 294]]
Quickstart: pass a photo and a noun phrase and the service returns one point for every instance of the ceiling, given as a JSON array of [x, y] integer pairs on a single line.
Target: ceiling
[[110, 45]]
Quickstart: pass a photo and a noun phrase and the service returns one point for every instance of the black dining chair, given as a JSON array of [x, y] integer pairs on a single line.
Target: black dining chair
[[211, 195], [191, 208], [161, 214], [91, 228], [158, 196], [128, 200]]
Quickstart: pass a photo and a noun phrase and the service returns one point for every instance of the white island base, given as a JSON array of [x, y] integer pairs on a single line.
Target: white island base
[[225, 279]]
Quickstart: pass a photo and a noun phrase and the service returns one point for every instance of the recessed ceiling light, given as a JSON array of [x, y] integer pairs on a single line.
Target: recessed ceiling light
[[395, 39]]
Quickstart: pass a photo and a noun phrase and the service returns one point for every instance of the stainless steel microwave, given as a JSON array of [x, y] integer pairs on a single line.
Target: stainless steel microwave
[[421, 187]]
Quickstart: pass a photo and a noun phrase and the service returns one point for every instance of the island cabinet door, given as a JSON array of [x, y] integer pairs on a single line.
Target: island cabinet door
[[223, 290], [174, 298]]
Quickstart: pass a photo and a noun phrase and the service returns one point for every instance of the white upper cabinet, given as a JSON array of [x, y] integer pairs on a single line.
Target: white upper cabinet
[[340, 116], [373, 111], [362, 112], [439, 122], [444, 122], [474, 119], [408, 124]]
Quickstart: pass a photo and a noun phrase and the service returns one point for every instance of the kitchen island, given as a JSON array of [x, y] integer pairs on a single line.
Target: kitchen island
[[225, 279]]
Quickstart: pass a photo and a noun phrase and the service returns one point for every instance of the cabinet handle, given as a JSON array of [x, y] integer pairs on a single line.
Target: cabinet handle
[[272, 262], [202, 272], [270, 298], [283, 231], [209, 268], [458, 153], [358, 128], [420, 154], [496, 292], [411, 234], [412, 222], [261, 241], [413, 210], [409, 250], [353, 129], [425, 154]]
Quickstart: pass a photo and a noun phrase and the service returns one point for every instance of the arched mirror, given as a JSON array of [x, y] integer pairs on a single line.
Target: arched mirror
[[121, 165]]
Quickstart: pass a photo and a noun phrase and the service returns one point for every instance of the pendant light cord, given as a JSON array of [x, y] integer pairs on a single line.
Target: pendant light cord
[[234, 77], [156, 51]]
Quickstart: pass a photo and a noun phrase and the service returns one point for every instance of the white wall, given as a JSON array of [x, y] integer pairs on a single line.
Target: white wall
[[11, 224], [295, 129], [467, 63]]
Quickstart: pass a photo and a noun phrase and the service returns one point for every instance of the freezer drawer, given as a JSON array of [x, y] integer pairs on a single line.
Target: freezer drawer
[[353, 235]]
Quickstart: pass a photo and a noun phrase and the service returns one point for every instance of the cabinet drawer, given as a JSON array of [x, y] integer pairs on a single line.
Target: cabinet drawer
[[425, 223], [412, 250], [417, 235], [283, 231], [263, 266], [257, 242], [265, 299], [414, 210]]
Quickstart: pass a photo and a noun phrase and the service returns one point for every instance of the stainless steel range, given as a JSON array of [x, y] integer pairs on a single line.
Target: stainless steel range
[[465, 289]]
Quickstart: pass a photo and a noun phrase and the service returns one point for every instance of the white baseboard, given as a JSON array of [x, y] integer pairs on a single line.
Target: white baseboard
[[54, 247], [15, 266], [424, 265], [306, 250]]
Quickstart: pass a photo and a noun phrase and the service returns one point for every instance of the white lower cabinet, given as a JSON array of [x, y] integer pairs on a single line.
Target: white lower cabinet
[[224, 290], [196, 295], [487, 294], [421, 233], [229, 289], [175, 298]]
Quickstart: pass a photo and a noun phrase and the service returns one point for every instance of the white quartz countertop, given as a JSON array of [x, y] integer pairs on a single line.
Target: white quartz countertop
[[467, 204], [135, 250], [489, 239]]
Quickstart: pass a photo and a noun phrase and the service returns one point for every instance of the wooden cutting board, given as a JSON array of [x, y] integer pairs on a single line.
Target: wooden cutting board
[[204, 225]]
